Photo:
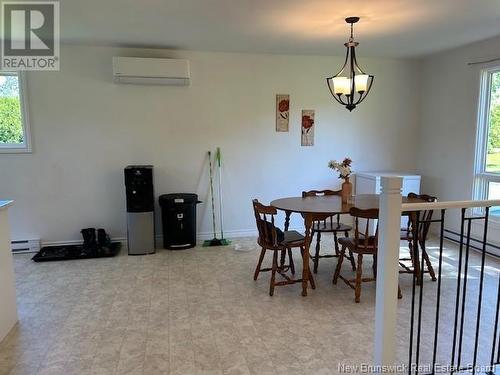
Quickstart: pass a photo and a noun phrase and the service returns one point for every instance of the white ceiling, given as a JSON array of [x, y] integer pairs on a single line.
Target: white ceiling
[[392, 28]]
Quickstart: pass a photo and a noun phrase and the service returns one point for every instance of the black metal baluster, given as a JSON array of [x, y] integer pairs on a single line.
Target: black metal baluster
[[457, 301], [495, 330], [412, 317], [464, 292], [481, 282], [436, 326], [498, 348], [498, 354], [419, 324]]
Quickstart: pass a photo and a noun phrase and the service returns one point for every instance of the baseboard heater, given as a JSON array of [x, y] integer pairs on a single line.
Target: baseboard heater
[[25, 246], [476, 244]]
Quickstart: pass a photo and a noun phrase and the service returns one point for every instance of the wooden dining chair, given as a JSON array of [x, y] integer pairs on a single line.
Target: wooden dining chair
[[277, 241], [327, 224], [363, 243], [423, 232]]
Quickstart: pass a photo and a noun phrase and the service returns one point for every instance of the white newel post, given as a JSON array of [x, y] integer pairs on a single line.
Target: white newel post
[[387, 271], [8, 308]]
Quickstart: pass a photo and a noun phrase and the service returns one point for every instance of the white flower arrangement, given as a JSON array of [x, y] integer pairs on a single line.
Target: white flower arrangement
[[344, 167]]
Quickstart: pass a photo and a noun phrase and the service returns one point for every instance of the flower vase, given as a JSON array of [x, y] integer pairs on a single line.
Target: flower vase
[[346, 190]]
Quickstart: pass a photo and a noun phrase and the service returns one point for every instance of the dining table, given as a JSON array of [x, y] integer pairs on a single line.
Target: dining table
[[316, 206]]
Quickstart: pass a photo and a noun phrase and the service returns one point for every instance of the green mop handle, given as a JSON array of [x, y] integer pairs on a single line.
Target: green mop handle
[[218, 157], [211, 189]]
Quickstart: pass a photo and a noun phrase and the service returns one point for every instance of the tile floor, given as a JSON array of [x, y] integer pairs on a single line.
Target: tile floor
[[199, 311]]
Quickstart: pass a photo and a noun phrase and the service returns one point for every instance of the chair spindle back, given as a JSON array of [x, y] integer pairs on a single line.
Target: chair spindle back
[[264, 218], [425, 215], [369, 215], [319, 193]]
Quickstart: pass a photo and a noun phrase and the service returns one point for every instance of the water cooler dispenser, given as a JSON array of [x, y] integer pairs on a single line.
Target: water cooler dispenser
[[140, 209]]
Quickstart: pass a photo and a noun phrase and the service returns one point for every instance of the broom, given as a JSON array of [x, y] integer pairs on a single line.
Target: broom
[[218, 157], [214, 241]]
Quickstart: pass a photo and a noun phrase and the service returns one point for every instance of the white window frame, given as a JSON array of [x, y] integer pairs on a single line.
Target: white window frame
[[481, 177], [25, 147]]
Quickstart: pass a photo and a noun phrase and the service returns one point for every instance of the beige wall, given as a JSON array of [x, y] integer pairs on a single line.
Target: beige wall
[[450, 89], [85, 129]]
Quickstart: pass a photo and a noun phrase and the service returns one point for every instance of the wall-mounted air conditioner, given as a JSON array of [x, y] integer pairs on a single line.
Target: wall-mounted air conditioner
[[151, 71]]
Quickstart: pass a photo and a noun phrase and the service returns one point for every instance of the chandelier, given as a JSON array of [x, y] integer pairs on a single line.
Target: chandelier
[[350, 85]]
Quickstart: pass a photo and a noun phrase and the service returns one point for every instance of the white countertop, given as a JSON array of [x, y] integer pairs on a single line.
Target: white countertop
[[5, 204]]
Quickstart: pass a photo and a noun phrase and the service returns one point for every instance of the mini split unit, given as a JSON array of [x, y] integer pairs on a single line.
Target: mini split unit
[[151, 71]]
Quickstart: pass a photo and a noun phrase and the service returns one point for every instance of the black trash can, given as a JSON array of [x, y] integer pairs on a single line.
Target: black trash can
[[178, 214]]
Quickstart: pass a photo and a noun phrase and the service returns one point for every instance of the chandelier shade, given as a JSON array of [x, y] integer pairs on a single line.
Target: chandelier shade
[[351, 84]]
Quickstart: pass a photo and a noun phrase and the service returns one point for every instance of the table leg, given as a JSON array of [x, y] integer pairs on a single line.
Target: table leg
[[287, 219], [305, 259], [414, 250]]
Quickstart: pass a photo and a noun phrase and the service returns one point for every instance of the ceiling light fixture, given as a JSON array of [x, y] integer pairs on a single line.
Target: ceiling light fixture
[[350, 85]]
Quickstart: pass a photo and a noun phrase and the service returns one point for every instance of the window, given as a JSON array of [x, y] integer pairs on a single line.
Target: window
[[14, 125], [487, 176]]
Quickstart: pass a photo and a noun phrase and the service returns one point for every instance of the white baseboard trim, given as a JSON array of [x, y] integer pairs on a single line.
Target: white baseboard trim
[[228, 234], [201, 236], [238, 233], [123, 240]]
